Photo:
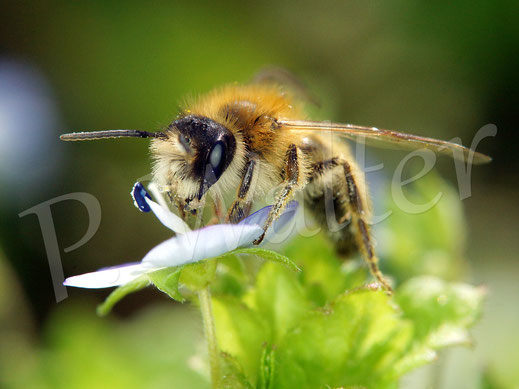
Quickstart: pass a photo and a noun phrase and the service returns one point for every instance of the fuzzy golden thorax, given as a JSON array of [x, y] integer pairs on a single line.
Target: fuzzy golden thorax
[[243, 113]]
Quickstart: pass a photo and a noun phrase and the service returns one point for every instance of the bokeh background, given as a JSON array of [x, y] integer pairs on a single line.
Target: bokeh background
[[432, 68]]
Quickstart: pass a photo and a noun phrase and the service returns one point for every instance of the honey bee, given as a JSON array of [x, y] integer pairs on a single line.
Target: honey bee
[[252, 138]]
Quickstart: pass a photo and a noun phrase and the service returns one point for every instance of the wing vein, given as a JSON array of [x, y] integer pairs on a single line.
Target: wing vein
[[383, 137]]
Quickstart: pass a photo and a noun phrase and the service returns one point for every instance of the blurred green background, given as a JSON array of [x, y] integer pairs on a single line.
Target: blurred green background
[[435, 69]]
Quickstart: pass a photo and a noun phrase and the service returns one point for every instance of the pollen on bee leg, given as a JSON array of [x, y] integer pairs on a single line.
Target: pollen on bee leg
[[193, 205], [345, 218]]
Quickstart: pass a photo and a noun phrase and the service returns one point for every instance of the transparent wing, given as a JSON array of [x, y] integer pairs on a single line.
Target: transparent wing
[[386, 138]]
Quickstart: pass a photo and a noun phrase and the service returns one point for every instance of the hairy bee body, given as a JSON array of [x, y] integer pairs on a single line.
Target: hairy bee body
[[326, 192], [252, 114], [249, 113], [253, 138]]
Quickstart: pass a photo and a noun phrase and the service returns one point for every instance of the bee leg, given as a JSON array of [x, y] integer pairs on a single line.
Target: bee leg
[[355, 212], [180, 207], [241, 206], [293, 176], [176, 201], [218, 208], [362, 233]]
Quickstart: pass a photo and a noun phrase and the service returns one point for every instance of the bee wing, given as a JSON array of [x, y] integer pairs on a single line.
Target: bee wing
[[386, 138]]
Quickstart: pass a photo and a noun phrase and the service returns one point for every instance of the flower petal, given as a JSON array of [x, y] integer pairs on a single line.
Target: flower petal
[[108, 277], [215, 240], [189, 247], [168, 218], [204, 243], [280, 224], [139, 195], [260, 217], [144, 203]]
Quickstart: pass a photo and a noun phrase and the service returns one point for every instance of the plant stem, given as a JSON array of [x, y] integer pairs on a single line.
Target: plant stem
[[204, 297]]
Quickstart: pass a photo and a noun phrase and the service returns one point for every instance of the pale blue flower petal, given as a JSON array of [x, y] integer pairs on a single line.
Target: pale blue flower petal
[[215, 240], [260, 217], [189, 247], [168, 218], [204, 243], [281, 224], [144, 203], [108, 277]]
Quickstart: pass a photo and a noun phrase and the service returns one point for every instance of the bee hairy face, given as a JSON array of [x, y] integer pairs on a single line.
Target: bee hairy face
[[197, 151]]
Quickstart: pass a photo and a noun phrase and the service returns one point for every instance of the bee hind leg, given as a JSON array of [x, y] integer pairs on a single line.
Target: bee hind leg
[[361, 230], [293, 177], [353, 212]]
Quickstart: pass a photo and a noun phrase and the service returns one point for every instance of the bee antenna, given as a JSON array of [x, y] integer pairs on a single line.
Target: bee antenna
[[95, 135]]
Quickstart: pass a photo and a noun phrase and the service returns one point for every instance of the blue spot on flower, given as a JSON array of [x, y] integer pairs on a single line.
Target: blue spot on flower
[[139, 193]]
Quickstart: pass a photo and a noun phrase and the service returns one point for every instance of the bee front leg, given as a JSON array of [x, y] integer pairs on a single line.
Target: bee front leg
[[179, 204], [241, 206], [293, 178], [218, 207]]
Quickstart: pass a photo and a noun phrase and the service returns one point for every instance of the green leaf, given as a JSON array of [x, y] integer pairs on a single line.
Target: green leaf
[[232, 374], [361, 339], [233, 265], [166, 280], [232, 278], [268, 255], [278, 298], [240, 332], [355, 341], [198, 275], [430, 242], [324, 274], [120, 292], [267, 367], [441, 311], [244, 326]]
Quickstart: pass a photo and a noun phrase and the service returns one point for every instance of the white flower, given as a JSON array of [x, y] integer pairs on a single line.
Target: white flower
[[186, 247]]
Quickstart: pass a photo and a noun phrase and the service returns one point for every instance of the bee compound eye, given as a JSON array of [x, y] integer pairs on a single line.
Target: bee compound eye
[[185, 141], [216, 157], [139, 194]]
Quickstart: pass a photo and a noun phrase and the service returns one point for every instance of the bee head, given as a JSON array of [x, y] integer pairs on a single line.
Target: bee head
[[193, 156], [190, 155]]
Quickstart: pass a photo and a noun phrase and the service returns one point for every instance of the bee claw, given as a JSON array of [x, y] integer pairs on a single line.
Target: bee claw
[[259, 240]]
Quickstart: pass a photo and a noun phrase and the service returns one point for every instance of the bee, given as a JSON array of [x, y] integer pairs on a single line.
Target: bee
[[249, 139]]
